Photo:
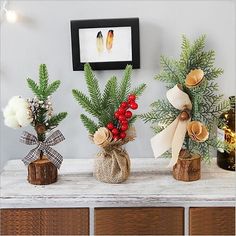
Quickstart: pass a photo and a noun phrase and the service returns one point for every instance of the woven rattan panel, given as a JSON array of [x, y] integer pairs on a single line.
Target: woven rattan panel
[[45, 222], [139, 221], [20, 222], [212, 221]]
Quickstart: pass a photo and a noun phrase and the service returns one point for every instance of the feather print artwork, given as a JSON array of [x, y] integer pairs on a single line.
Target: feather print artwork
[[100, 46], [109, 40]]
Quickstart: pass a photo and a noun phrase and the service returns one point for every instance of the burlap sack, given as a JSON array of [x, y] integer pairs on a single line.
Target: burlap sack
[[112, 166]]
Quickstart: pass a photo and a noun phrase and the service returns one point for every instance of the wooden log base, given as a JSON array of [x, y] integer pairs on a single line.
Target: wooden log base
[[187, 169], [42, 172]]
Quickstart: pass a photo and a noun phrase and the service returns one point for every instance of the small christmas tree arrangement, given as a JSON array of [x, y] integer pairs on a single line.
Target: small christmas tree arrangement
[[186, 122], [43, 161], [114, 122]]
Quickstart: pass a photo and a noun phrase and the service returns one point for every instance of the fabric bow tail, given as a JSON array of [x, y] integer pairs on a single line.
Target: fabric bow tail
[[55, 138], [173, 135]]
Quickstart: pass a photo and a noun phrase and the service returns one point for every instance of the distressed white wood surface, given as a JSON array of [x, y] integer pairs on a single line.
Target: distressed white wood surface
[[150, 184]]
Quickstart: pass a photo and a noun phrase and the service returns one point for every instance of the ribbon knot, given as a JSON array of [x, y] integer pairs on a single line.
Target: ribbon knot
[[52, 155], [173, 135], [41, 146]]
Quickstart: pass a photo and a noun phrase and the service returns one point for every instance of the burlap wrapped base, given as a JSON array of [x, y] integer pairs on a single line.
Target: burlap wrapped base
[[112, 166]]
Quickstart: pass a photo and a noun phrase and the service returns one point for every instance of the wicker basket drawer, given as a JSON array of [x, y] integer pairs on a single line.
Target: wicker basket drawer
[[139, 221], [44, 222], [212, 221]]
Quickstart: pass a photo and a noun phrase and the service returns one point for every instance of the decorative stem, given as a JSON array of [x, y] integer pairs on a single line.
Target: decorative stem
[[41, 155], [41, 138], [195, 107], [187, 143]]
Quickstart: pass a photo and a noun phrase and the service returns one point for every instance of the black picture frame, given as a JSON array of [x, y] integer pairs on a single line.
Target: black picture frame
[[105, 23]]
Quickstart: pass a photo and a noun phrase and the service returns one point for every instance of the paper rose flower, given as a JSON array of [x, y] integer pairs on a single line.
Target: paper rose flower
[[102, 136], [17, 113], [197, 131], [194, 77]]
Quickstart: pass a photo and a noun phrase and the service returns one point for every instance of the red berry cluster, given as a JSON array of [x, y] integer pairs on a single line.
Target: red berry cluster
[[122, 114]]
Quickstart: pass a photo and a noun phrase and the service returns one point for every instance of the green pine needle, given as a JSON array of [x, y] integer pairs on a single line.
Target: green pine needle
[[85, 102], [90, 125], [138, 91], [43, 77], [52, 88], [106, 98], [133, 119], [34, 87], [93, 87], [114, 92], [125, 84], [56, 119]]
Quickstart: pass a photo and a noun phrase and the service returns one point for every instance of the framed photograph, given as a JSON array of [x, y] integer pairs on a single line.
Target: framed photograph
[[105, 43]]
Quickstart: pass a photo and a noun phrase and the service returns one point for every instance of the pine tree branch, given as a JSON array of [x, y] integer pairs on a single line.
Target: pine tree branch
[[85, 102], [210, 89], [157, 128], [93, 87], [162, 113], [43, 77], [41, 116], [218, 144], [169, 73], [125, 84], [52, 88], [133, 119], [114, 92], [34, 87], [149, 117], [138, 91], [198, 46], [56, 119], [107, 115], [106, 101], [204, 60], [90, 125], [185, 54], [213, 109], [213, 73]]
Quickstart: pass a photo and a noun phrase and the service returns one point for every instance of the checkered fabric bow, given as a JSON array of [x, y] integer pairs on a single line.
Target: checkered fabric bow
[[52, 155]]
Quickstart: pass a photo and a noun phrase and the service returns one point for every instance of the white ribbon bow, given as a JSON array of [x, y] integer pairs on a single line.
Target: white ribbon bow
[[173, 135]]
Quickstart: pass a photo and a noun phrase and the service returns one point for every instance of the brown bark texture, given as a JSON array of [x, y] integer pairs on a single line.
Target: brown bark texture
[[187, 169], [42, 172]]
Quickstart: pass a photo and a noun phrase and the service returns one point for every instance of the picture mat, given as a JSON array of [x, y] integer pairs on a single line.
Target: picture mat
[[121, 49]]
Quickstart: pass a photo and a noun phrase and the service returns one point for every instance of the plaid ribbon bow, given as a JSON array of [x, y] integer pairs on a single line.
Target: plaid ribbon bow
[[53, 156]]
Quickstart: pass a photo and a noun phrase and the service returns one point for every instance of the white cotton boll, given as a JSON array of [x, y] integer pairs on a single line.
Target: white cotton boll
[[23, 117], [13, 102], [17, 113], [8, 111], [10, 118], [17, 102], [11, 122]]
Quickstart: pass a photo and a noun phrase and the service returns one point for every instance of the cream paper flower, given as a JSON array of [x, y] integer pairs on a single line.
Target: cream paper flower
[[197, 131], [194, 77], [102, 137], [17, 113]]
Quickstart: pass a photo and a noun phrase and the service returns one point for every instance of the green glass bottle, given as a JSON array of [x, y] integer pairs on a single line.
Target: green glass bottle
[[226, 132]]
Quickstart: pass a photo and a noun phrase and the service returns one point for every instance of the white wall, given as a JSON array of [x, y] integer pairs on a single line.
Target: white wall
[[43, 36]]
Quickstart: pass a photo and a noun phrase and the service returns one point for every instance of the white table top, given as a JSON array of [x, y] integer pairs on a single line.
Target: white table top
[[150, 184]]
